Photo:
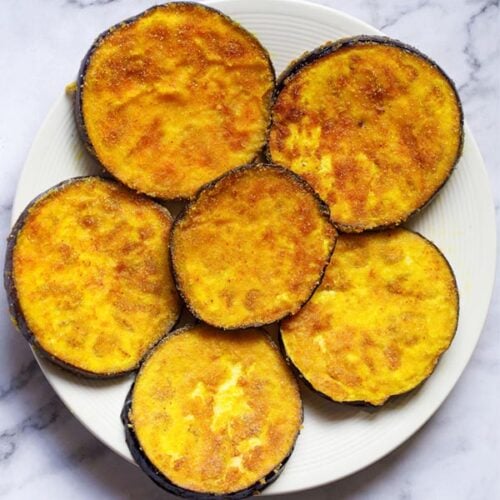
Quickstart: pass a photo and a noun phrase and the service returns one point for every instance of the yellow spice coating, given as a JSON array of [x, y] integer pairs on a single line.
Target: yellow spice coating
[[250, 249], [176, 98], [386, 310], [216, 411], [92, 275], [375, 129]]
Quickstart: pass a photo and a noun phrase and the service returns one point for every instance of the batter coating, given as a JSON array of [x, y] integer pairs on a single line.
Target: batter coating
[[88, 276], [374, 126], [175, 97], [213, 412], [385, 312], [251, 248]]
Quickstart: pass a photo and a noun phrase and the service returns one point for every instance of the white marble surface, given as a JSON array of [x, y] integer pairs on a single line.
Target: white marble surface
[[45, 453]]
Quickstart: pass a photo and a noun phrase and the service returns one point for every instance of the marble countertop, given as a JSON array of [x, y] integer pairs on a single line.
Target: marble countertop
[[46, 453]]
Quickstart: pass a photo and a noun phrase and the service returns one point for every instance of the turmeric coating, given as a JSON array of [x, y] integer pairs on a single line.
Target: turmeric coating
[[216, 412], [91, 273], [174, 98], [374, 127], [376, 326], [251, 248]]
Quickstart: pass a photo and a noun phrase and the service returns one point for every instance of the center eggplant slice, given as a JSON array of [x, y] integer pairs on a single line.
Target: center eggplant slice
[[173, 98], [385, 312], [372, 124], [213, 413], [88, 276], [252, 247]]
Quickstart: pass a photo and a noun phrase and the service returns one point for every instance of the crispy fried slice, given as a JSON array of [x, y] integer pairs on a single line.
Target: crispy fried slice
[[213, 412], [88, 275], [251, 248], [373, 125], [174, 97], [385, 312]]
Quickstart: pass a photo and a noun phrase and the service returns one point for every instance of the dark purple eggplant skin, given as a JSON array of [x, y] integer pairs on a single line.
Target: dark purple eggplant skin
[[328, 48], [159, 478], [323, 208], [366, 404], [80, 81], [15, 309]]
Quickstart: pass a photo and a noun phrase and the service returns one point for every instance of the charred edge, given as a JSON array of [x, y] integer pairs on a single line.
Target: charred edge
[[366, 404], [296, 66], [159, 478], [324, 212], [15, 309], [80, 81]]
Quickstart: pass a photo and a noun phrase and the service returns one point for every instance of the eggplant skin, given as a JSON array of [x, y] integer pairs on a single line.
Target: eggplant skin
[[160, 479], [163, 482], [15, 310], [366, 404], [311, 57], [323, 209], [80, 83]]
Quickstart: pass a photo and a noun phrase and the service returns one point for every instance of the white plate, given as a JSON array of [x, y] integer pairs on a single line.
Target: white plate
[[336, 440]]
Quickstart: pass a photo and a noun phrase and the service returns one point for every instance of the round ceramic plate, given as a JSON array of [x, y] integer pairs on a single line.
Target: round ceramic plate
[[336, 440]]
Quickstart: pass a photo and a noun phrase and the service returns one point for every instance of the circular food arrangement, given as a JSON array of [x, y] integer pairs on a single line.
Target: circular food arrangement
[[294, 193]]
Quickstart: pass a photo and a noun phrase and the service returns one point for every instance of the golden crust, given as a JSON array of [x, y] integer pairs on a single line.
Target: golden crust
[[175, 98], [385, 312], [92, 277], [251, 248], [375, 128], [215, 411]]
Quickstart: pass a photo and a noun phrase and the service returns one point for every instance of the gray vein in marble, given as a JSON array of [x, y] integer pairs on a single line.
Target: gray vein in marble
[[89, 3], [398, 16], [5, 207], [89, 451], [44, 416], [20, 379], [472, 57], [7, 448], [405, 493], [462, 445]]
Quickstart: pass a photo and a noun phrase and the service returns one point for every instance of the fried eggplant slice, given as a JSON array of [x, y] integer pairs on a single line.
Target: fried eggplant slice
[[213, 413], [88, 276], [372, 124], [173, 98], [385, 312], [251, 248]]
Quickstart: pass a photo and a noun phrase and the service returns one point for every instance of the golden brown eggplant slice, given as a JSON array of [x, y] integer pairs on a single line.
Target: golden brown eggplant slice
[[88, 276], [173, 98], [376, 327], [213, 413], [372, 124], [251, 247]]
